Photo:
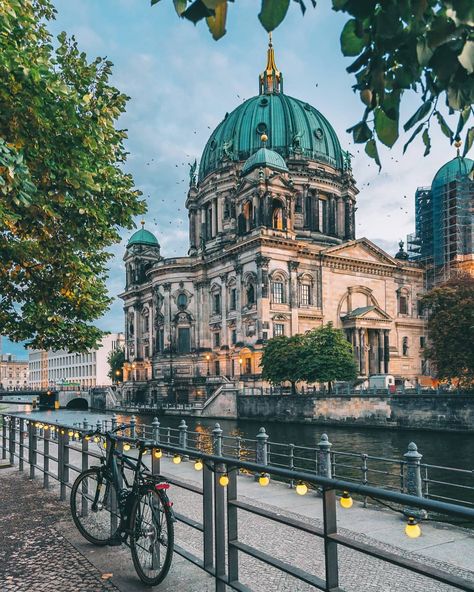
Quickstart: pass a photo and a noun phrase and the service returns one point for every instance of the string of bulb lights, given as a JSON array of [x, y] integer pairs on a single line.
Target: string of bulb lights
[[412, 527]]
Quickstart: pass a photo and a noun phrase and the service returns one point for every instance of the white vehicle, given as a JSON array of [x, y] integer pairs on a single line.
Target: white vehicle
[[381, 381]]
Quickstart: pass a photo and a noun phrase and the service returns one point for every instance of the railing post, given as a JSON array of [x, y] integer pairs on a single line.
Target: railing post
[[155, 462], [217, 440], [114, 421], [183, 434], [64, 463], [208, 536], [46, 439], [330, 547], [232, 528], [11, 440], [33, 442], [262, 449], [84, 467], [21, 445], [324, 457], [219, 529], [413, 482], [291, 461], [4, 437], [133, 427]]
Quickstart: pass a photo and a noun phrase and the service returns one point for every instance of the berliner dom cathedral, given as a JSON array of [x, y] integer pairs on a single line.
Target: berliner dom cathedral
[[272, 251]]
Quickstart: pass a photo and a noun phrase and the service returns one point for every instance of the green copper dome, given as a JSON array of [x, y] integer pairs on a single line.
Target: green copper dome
[[265, 158], [143, 237], [294, 129], [452, 170]]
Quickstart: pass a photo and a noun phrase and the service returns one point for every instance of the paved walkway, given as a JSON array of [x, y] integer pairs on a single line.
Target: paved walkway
[[41, 551]]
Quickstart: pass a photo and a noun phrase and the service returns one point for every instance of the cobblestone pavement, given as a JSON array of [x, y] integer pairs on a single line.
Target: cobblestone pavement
[[34, 556]]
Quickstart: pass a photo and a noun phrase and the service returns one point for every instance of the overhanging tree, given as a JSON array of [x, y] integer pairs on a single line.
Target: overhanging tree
[[281, 360], [451, 329], [422, 45], [63, 193], [327, 356]]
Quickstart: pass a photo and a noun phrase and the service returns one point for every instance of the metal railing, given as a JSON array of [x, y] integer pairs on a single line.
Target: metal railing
[[57, 451]]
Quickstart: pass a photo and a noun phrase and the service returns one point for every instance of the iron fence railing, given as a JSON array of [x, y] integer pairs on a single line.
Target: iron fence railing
[[59, 451]]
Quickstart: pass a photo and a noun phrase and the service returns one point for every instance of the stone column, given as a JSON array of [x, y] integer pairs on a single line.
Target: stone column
[[136, 325], [386, 350], [238, 320], [224, 305], [263, 302], [151, 328], [293, 296], [340, 217], [362, 351], [167, 311], [214, 218]]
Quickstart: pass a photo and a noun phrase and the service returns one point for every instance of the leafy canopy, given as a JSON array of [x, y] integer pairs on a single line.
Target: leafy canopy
[[320, 355], [422, 45], [451, 329], [116, 360], [63, 193]]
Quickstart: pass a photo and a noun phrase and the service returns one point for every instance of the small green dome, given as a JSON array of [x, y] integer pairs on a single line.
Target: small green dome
[[452, 170], [143, 237], [293, 128], [265, 158]]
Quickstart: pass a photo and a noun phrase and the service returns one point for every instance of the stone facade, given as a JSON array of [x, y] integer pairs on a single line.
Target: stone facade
[[272, 251]]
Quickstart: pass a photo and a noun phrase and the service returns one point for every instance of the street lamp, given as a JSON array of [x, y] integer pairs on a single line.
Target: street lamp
[[208, 358], [240, 365]]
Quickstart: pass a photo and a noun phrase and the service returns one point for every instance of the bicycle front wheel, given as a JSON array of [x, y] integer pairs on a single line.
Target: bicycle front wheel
[[152, 537], [92, 507]]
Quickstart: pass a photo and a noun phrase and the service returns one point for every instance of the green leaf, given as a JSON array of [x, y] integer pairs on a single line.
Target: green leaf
[[197, 11], [444, 126], [216, 23], [351, 43], [180, 6], [360, 132], [426, 142], [419, 114], [386, 128], [468, 141], [371, 150], [413, 136], [272, 13]]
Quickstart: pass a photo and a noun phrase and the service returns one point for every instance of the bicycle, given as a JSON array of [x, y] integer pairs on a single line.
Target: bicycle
[[106, 513]]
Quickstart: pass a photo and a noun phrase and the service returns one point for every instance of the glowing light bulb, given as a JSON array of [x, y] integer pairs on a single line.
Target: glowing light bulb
[[46, 427], [263, 480], [76, 435], [224, 480], [126, 446], [346, 500], [145, 451], [96, 439], [87, 438], [62, 432], [158, 453], [301, 488], [176, 459], [412, 529], [198, 465], [104, 444], [70, 433]]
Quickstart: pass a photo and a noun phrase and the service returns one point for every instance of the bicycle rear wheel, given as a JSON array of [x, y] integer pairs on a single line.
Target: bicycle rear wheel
[[152, 537], [91, 505]]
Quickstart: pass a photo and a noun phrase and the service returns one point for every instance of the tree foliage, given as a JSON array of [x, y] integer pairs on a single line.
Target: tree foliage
[[451, 329], [63, 193], [320, 355], [281, 360], [422, 45], [116, 360]]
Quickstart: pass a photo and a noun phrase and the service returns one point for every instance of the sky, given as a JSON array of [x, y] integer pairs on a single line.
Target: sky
[[181, 83]]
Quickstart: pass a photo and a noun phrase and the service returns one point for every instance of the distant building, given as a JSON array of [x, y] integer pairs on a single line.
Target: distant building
[[443, 240], [13, 372], [61, 368]]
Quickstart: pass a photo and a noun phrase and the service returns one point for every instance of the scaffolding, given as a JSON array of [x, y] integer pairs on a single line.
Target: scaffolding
[[443, 240]]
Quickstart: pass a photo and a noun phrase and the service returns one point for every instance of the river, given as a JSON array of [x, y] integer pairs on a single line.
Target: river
[[451, 449]]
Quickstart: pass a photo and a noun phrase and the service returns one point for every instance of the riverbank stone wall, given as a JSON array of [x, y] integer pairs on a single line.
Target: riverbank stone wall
[[428, 412]]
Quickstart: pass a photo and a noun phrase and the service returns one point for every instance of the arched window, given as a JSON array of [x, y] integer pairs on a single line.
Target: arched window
[[250, 295], [247, 211], [402, 298], [145, 322], [405, 346], [278, 288], [277, 215]]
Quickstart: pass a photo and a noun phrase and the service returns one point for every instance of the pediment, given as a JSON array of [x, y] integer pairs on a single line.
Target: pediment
[[361, 249], [367, 313]]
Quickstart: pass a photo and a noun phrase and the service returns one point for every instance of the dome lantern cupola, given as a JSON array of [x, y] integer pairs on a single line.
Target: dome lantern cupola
[[271, 79]]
